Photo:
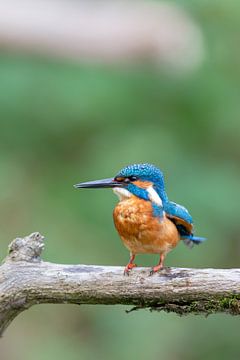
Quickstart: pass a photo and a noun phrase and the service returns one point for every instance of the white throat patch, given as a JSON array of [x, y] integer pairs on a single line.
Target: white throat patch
[[153, 196], [122, 193]]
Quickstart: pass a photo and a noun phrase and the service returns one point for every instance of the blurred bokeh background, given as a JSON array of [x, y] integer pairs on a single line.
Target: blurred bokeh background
[[85, 89]]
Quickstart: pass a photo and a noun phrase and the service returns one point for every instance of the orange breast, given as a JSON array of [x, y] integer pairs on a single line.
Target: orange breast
[[140, 231]]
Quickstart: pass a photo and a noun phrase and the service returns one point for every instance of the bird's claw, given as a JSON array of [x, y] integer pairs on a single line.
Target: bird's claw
[[128, 268], [156, 269]]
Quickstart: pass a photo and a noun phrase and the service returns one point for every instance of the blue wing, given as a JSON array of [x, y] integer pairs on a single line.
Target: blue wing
[[183, 221], [175, 210]]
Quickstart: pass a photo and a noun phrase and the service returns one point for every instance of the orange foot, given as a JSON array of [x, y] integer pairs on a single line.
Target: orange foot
[[128, 268], [156, 269]]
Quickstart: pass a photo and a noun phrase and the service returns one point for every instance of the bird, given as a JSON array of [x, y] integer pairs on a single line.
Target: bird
[[146, 220]]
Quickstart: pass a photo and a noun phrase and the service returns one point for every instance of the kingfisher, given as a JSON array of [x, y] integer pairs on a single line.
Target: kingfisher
[[146, 220]]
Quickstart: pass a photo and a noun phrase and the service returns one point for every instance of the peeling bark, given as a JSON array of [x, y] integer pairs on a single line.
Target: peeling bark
[[26, 280]]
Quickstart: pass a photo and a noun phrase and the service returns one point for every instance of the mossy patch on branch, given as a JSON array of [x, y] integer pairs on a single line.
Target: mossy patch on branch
[[229, 305]]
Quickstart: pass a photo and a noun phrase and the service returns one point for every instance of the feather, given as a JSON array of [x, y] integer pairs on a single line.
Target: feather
[[192, 240], [174, 210]]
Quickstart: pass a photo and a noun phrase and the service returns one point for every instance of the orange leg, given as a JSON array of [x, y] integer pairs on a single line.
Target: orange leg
[[130, 265], [159, 266]]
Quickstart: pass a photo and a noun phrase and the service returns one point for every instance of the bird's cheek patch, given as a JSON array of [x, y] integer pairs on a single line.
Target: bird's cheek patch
[[119, 178], [143, 184]]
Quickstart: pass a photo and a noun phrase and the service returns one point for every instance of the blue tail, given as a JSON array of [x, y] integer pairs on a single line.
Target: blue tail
[[191, 240]]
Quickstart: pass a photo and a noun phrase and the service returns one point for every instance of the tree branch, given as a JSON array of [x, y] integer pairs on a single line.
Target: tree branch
[[26, 280]]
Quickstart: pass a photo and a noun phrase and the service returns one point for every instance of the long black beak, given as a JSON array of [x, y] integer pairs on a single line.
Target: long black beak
[[97, 184]]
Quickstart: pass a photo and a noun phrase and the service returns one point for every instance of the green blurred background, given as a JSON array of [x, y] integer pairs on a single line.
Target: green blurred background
[[61, 123]]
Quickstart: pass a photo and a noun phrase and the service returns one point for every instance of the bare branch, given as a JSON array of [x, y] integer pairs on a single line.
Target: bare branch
[[110, 32], [26, 280]]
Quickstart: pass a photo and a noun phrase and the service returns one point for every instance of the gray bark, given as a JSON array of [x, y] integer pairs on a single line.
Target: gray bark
[[26, 280]]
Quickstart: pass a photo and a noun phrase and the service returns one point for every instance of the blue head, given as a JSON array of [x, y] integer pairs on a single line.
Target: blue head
[[136, 179], [139, 177]]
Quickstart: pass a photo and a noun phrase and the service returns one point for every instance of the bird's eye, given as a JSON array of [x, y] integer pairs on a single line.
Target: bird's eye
[[126, 180], [132, 178]]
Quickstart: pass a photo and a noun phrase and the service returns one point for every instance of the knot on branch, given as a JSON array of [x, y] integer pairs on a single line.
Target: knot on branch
[[27, 249]]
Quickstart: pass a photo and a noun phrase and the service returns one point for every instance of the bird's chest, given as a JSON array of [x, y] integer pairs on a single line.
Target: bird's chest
[[132, 215], [140, 231]]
